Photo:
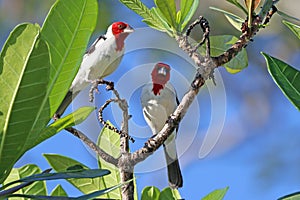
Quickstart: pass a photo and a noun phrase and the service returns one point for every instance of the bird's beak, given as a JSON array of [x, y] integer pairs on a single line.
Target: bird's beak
[[162, 71], [128, 29]]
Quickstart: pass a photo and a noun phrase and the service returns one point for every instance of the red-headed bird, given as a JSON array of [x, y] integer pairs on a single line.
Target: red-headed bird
[[100, 60], [159, 101]]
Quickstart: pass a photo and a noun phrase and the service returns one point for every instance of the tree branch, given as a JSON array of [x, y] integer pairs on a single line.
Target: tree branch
[[105, 156]]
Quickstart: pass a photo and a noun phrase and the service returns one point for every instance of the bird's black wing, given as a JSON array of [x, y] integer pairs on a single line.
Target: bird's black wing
[[91, 49]]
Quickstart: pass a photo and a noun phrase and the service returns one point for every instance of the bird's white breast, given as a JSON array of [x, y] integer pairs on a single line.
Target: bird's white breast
[[157, 108], [100, 63]]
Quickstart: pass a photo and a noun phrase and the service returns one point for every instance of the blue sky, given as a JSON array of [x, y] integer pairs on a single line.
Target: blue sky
[[256, 153]]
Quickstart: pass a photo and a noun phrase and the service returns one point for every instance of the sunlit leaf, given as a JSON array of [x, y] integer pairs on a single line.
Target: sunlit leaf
[[216, 194], [149, 18], [67, 30], [169, 194], [72, 119], [150, 193], [293, 27], [58, 191], [235, 20], [286, 77], [24, 67], [36, 188], [168, 10], [188, 9], [109, 141]]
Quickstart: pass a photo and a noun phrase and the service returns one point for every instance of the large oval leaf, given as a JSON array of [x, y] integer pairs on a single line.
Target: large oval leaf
[[67, 30], [25, 64], [286, 77], [109, 141]]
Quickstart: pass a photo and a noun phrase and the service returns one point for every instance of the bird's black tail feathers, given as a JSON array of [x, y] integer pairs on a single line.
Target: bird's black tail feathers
[[65, 103], [174, 172]]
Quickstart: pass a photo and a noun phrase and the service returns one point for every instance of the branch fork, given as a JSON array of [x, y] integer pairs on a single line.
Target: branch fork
[[206, 64]]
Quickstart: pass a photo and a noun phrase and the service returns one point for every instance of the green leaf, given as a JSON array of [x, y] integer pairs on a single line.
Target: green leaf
[[62, 163], [219, 44], [293, 196], [67, 174], [286, 77], [59, 191], [37, 188], [252, 4], [25, 65], [67, 30], [235, 20], [188, 9], [167, 9], [150, 193], [286, 16], [109, 141], [237, 4], [100, 192], [169, 194], [149, 17], [294, 28], [216, 194], [83, 197], [72, 119]]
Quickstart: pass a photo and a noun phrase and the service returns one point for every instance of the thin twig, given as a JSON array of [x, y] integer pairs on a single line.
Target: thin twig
[[101, 153]]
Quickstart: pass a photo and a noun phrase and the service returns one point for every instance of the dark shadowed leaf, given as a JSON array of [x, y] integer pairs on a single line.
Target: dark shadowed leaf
[[62, 163], [286, 77], [293, 196], [235, 20], [221, 43], [237, 4]]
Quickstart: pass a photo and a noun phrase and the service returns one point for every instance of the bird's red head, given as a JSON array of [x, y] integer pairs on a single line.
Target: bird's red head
[[120, 27], [160, 76]]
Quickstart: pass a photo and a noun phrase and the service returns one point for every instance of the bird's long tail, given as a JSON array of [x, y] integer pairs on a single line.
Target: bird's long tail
[[65, 103], [174, 172]]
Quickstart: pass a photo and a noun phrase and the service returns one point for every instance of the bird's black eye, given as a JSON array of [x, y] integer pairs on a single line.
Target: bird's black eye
[[121, 26]]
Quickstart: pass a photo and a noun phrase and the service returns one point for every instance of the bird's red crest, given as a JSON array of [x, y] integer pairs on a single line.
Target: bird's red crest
[[118, 27], [160, 76]]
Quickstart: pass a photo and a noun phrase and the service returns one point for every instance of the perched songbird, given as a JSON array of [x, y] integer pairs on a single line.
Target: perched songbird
[[100, 60], [159, 101]]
